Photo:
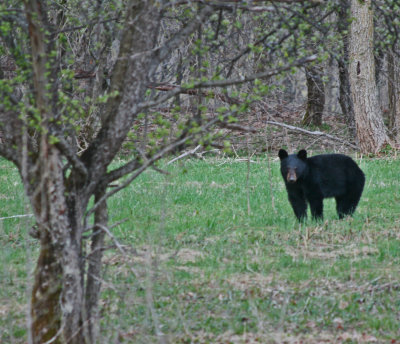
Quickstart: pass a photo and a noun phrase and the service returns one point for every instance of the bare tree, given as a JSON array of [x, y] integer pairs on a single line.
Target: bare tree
[[371, 131], [59, 192], [41, 116]]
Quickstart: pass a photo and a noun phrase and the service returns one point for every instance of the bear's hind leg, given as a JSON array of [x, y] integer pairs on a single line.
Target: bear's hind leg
[[346, 205]]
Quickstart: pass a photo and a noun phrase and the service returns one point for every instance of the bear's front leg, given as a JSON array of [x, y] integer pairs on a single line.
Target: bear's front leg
[[299, 206], [317, 208]]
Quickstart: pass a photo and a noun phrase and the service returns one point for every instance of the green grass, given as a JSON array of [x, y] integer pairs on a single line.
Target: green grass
[[208, 272]]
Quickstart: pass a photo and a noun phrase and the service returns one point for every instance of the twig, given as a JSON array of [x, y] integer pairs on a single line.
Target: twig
[[184, 154], [248, 160], [56, 336], [118, 245], [238, 127], [150, 301], [270, 185], [109, 227], [15, 216], [312, 133]]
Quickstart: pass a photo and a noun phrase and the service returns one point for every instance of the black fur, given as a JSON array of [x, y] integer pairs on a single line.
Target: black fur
[[310, 180]]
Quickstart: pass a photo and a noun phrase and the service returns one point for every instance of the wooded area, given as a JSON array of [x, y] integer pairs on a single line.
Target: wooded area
[[83, 82]]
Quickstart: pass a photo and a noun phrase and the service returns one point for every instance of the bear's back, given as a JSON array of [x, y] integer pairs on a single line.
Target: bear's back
[[335, 174]]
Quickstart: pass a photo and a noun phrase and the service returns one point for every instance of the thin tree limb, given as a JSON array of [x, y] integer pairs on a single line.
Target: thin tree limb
[[66, 149], [15, 216], [313, 133], [190, 152], [227, 82], [118, 245]]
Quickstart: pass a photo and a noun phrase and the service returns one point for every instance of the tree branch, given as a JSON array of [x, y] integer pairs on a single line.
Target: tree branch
[[139, 168], [227, 82], [63, 146], [92, 22], [162, 52], [137, 61], [312, 133], [121, 171], [237, 127], [170, 87], [128, 85], [190, 152]]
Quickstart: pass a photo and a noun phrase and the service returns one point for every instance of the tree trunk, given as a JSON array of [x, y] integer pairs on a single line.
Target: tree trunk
[[345, 101], [316, 95], [93, 282], [57, 292], [46, 291], [394, 95], [371, 132]]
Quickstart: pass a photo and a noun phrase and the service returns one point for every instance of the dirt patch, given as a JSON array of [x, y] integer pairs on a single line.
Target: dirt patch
[[148, 254], [329, 252], [249, 282], [213, 184], [220, 186], [191, 270], [186, 255], [139, 255], [313, 337]]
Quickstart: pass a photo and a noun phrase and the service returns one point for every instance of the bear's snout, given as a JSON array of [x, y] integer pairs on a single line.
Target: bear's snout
[[291, 176]]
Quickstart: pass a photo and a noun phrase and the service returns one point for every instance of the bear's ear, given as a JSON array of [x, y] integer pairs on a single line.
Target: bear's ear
[[282, 154], [302, 154]]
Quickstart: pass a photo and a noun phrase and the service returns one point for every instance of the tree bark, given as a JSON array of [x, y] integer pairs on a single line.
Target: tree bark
[[394, 95], [46, 313], [345, 101], [57, 293], [93, 282], [316, 95], [371, 131], [46, 291]]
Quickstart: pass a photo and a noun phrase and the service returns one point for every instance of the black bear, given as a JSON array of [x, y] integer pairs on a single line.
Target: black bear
[[310, 180]]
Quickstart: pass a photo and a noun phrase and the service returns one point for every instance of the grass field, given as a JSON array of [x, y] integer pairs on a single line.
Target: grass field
[[197, 268]]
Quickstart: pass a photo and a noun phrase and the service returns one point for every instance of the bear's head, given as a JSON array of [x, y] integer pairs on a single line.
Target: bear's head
[[293, 167]]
